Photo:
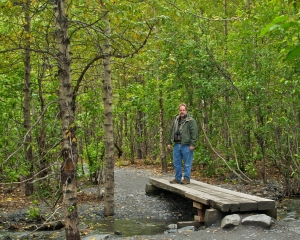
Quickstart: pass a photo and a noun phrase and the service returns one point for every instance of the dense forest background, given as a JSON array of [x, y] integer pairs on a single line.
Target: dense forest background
[[233, 62]]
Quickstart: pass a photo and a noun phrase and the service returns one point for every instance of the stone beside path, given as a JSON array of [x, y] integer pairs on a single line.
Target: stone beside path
[[234, 220]]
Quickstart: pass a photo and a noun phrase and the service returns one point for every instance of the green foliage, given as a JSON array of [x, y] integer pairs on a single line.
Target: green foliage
[[94, 154], [232, 164], [12, 175], [284, 25], [47, 189], [251, 170], [202, 158], [33, 212]]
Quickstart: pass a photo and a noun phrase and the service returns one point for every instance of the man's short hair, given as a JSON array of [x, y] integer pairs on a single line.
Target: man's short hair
[[182, 105]]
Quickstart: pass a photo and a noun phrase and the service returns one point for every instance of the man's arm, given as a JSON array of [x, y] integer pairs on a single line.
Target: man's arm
[[194, 133]]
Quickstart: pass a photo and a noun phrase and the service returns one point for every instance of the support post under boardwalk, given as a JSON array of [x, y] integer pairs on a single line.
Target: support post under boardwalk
[[201, 211]]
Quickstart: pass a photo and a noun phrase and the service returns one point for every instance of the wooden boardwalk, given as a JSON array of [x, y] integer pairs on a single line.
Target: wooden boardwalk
[[210, 196]]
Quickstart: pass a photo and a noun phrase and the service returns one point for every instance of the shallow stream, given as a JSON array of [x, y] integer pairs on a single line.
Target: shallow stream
[[288, 208], [122, 227], [130, 227]]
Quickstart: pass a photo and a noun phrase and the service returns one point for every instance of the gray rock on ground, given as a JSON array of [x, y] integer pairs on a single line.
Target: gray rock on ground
[[231, 221], [262, 220]]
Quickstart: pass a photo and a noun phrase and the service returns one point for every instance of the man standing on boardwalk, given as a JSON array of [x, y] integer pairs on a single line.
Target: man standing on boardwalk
[[184, 135]]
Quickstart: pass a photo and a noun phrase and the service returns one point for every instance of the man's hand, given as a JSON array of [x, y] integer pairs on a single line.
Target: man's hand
[[192, 148], [169, 146]]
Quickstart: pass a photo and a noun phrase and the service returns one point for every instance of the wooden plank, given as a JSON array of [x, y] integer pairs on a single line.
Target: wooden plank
[[262, 203], [165, 184], [222, 204], [243, 205], [199, 218], [202, 198], [198, 205]]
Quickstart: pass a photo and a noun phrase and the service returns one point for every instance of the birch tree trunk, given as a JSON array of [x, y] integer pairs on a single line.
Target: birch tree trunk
[[67, 113], [108, 124], [26, 110]]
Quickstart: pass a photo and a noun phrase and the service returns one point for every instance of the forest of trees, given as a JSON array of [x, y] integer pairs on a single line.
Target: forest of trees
[[100, 81]]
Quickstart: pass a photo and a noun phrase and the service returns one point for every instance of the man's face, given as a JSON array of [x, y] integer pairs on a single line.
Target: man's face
[[182, 111]]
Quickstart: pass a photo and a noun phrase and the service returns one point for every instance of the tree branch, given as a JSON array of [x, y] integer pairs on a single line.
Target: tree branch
[[100, 56]]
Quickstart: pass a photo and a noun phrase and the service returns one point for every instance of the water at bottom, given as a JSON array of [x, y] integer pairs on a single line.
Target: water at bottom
[[129, 227], [121, 227]]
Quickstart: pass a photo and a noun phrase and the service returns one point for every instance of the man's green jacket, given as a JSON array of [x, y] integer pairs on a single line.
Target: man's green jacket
[[188, 129]]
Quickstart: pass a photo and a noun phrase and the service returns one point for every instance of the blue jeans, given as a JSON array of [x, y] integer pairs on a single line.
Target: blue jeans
[[181, 151]]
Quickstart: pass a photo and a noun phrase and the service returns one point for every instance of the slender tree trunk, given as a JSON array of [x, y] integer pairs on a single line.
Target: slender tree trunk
[[162, 133], [225, 21], [41, 138], [246, 134], [108, 124], [261, 141], [67, 113], [139, 128], [27, 121], [132, 142], [226, 130], [226, 98], [247, 2], [129, 137]]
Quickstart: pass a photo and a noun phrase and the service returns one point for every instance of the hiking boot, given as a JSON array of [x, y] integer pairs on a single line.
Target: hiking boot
[[185, 181], [175, 181]]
